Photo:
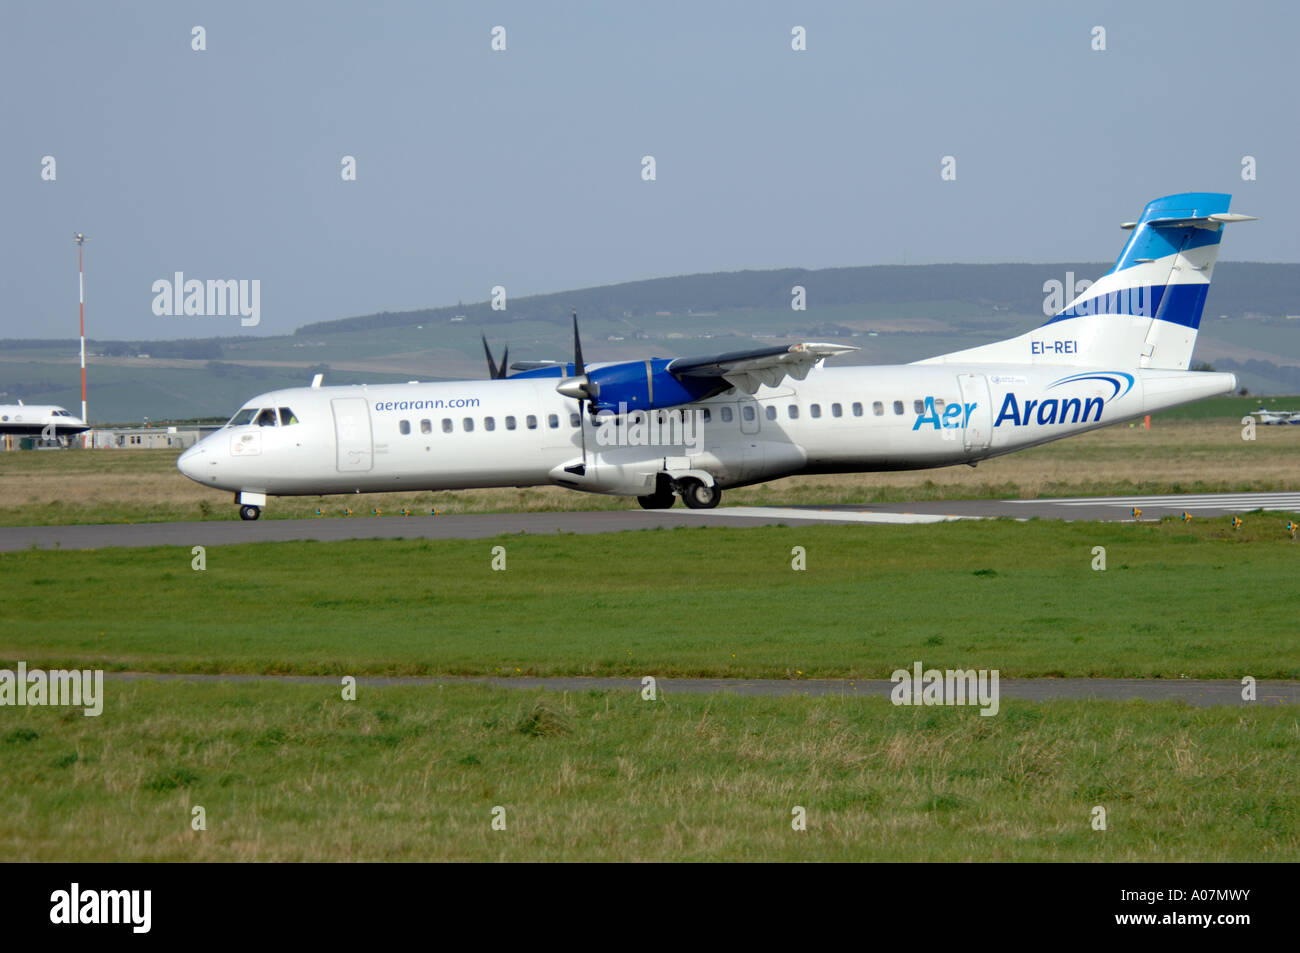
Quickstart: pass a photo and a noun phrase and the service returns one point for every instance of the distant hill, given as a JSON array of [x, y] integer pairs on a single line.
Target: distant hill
[[891, 313], [1239, 288]]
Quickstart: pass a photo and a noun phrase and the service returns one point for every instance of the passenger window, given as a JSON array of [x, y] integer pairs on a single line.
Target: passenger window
[[489, 423], [469, 424], [726, 414], [794, 412], [446, 425], [404, 427], [747, 412], [510, 423], [553, 421], [857, 409], [898, 407], [708, 415], [938, 403], [266, 418], [837, 410], [770, 412], [287, 419], [816, 410], [918, 406], [426, 426], [575, 420], [878, 408], [532, 422]]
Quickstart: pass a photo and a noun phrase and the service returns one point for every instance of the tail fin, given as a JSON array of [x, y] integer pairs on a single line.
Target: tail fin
[[1146, 310]]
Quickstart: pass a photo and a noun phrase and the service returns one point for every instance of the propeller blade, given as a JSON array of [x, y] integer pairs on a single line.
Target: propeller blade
[[494, 372], [582, 429], [579, 369], [497, 371]]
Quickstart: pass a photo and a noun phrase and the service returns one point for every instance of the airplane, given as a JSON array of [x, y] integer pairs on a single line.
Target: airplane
[[689, 428], [39, 420], [1277, 416]]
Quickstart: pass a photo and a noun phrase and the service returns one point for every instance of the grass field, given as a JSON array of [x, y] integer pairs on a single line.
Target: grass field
[[1200, 601], [1192, 455], [293, 772], [286, 772]]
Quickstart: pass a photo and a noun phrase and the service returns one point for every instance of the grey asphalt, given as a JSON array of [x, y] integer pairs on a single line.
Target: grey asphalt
[[1202, 694], [482, 526]]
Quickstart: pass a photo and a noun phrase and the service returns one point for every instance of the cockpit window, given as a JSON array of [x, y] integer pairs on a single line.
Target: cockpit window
[[266, 418], [242, 418], [286, 417]]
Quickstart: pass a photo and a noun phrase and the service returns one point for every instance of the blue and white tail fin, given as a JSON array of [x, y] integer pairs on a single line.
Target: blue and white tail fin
[[1145, 311]]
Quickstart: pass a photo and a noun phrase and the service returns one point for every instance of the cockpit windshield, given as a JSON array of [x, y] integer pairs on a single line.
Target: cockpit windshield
[[245, 416]]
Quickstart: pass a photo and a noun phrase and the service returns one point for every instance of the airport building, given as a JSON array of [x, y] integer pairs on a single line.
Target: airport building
[[119, 438]]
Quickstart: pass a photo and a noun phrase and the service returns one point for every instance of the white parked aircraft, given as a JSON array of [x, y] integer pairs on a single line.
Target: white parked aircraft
[[1277, 416], [692, 427], [39, 420]]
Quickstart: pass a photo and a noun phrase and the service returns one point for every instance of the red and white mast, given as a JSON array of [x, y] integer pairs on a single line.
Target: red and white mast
[[81, 240]]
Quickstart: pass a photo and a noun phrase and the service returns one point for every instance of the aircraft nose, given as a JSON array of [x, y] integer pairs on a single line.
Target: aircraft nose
[[188, 462]]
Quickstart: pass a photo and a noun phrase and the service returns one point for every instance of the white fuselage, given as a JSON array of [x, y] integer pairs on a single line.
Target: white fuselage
[[521, 432]]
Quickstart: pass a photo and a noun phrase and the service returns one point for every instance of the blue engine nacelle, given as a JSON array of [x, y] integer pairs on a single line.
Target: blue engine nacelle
[[645, 385]]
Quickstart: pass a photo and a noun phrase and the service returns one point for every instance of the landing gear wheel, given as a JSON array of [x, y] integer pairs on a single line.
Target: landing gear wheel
[[249, 512], [698, 496], [659, 501]]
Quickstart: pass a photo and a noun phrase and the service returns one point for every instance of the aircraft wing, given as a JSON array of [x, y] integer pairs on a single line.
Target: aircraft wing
[[749, 370]]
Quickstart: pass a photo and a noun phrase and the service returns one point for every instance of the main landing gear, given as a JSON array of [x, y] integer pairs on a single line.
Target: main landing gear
[[247, 512], [698, 496], [694, 493]]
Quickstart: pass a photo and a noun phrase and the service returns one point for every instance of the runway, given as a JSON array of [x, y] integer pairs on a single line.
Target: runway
[[488, 525], [1201, 694]]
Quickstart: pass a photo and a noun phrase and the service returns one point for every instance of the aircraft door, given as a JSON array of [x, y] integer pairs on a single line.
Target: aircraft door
[[352, 434], [979, 424]]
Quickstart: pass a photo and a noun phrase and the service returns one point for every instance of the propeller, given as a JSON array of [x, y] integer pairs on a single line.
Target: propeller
[[496, 372], [580, 387]]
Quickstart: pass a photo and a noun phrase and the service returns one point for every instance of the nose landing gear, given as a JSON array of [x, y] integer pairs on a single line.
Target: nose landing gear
[[247, 512]]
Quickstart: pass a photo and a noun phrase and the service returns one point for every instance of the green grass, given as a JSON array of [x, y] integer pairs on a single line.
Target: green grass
[[1230, 409], [290, 772], [1200, 600]]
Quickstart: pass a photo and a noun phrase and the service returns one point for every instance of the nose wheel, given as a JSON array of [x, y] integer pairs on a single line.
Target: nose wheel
[[249, 513]]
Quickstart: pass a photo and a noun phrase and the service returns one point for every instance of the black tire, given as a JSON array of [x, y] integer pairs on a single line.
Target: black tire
[[249, 513], [698, 496], [659, 501]]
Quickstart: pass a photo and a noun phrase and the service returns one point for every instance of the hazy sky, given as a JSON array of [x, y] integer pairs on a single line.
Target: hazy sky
[[523, 167]]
